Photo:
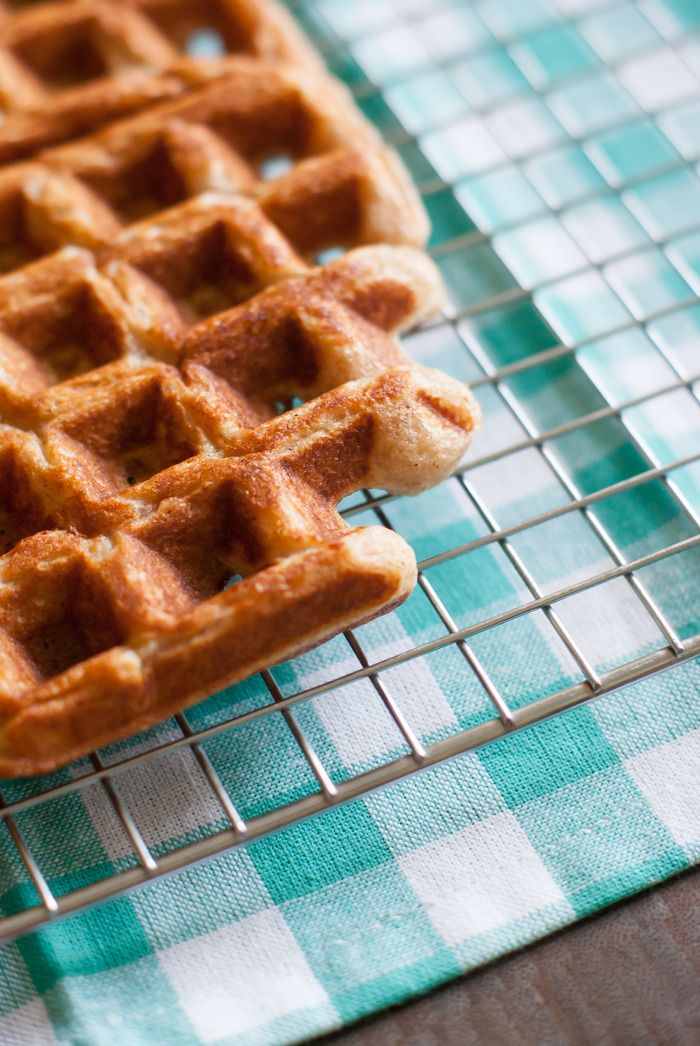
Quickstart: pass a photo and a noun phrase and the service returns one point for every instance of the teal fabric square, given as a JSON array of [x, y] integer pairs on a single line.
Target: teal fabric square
[[552, 55], [477, 585], [539, 665], [101, 939], [378, 111], [176, 909], [630, 152], [511, 332], [666, 205], [498, 198], [589, 469], [488, 78], [470, 795], [575, 393], [474, 275], [309, 856], [587, 106], [265, 747], [599, 837], [545, 758], [563, 175], [234, 700], [425, 100], [343, 65], [510, 18], [639, 718], [448, 217], [643, 519]]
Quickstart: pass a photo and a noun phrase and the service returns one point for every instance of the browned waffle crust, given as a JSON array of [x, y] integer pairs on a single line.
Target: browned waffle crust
[[148, 355]]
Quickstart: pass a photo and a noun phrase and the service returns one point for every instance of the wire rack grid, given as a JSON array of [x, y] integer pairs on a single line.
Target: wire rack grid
[[556, 155]]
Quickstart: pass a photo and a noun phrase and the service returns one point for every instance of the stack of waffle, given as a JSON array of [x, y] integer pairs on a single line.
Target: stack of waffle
[[161, 314]]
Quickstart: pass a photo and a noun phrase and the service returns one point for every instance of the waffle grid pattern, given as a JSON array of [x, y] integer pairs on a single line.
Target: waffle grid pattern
[[93, 61], [507, 127]]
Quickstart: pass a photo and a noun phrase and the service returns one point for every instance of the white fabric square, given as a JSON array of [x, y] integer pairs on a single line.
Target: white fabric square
[[168, 797], [358, 723], [480, 878], [464, 148], [690, 53], [538, 252], [419, 697], [668, 777], [28, 1025], [221, 978], [659, 79], [603, 228], [523, 127]]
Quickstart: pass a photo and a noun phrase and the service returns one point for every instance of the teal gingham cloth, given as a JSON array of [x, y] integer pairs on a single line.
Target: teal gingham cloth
[[590, 112]]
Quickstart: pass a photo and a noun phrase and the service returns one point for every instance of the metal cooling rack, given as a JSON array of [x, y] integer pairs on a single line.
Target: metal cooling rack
[[672, 650]]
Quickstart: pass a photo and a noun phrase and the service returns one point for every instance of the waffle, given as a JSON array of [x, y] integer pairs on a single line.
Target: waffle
[[135, 490], [70, 66], [339, 185], [186, 395]]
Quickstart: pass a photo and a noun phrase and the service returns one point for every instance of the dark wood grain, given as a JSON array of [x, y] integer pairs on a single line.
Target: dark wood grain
[[629, 976]]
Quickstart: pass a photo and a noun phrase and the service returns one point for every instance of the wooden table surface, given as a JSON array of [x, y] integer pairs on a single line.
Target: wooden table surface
[[629, 976]]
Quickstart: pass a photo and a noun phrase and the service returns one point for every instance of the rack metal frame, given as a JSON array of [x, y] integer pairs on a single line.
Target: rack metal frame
[[505, 720]]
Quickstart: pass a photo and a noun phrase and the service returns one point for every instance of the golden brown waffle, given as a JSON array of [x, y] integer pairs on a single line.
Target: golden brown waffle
[[144, 464], [160, 315], [69, 66], [342, 186]]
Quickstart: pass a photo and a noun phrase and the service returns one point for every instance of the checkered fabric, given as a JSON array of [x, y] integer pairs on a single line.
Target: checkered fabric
[[557, 146]]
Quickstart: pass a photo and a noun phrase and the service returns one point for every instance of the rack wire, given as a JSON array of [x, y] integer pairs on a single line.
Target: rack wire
[[344, 41]]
